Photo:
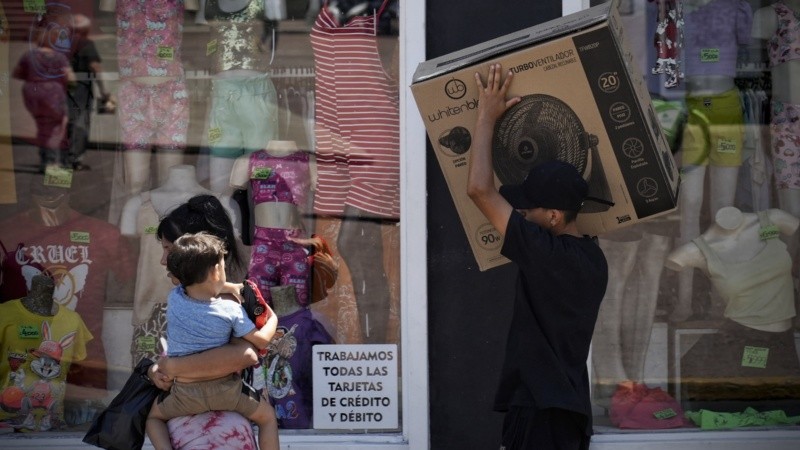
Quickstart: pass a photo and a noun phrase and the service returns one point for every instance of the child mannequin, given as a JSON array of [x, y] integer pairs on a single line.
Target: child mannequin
[[198, 320]]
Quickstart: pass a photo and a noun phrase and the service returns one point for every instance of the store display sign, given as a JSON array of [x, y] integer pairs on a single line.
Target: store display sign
[[355, 387]]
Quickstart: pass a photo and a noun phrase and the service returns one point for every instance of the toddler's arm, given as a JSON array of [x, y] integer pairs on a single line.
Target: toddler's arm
[[262, 337]]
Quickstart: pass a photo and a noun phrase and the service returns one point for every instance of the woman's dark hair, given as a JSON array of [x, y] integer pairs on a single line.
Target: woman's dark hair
[[202, 213]]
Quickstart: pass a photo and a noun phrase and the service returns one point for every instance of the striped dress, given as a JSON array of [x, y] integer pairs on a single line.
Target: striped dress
[[357, 121]]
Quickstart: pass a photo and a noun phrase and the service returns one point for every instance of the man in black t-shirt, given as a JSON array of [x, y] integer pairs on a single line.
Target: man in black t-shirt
[[544, 382], [86, 65]]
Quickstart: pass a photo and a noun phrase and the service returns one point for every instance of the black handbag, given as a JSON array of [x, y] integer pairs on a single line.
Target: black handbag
[[121, 426]]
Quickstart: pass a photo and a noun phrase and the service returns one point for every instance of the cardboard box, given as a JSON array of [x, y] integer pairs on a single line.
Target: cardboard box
[[584, 102]]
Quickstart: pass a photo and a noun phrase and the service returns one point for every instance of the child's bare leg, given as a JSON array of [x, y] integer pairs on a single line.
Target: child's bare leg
[[156, 428], [267, 423]]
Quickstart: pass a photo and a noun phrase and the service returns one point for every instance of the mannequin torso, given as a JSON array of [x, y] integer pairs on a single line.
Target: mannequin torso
[[180, 186], [733, 245], [733, 236], [272, 214], [712, 31]]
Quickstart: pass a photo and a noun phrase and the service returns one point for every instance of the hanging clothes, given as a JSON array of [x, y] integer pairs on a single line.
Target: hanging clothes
[[669, 41]]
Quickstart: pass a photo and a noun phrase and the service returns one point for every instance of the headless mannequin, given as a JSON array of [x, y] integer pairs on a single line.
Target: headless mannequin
[[179, 186], [722, 179], [734, 237], [785, 87], [220, 167], [283, 189], [137, 173], [40, 297], [276, 214], [625, 321]]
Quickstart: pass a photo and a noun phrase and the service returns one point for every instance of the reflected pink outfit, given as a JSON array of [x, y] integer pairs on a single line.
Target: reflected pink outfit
[[149, 38]]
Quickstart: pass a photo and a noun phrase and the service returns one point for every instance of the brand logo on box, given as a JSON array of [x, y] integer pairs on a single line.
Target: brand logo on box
[[455, 89]]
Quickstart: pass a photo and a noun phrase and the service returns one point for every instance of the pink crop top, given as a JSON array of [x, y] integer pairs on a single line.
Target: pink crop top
[[712, 35], [785, 43]]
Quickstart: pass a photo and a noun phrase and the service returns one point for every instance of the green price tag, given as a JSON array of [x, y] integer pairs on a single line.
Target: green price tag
[[709, 55], [34, 6], [755, 357], [28, 332], [261, 173], [146, 344], [725, 145], [665, 414], [165, 52], [57, 177], [769, 232], [150, 229], [214, 135], [211, 47], [79, 237]]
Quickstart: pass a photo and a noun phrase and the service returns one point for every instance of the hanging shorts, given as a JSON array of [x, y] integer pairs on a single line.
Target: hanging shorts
[[714, 132], [785, 152], [153, 115], [243, 116]]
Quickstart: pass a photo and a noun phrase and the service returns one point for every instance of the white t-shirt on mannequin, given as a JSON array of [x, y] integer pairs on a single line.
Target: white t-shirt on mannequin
[[735, 238]]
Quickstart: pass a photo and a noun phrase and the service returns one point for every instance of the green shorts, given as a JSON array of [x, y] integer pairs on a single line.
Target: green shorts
[[243, 115], [714, 132]]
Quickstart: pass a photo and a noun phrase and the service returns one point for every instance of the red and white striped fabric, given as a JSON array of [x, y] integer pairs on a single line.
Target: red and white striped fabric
[[357, 120]]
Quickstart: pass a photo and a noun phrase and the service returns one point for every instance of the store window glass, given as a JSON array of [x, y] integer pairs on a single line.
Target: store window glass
[[699, 329], [115, 115]]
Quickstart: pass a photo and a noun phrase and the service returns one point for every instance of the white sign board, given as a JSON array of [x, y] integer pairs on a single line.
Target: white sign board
[[355, 386]]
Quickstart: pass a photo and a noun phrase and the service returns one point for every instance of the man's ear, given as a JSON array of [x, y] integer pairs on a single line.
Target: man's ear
[[555, 216]]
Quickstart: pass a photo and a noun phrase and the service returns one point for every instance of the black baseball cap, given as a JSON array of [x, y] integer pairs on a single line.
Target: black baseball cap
[[553, 184]]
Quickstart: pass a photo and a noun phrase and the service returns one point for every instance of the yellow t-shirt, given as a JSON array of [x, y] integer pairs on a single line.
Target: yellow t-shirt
[[35, 354]]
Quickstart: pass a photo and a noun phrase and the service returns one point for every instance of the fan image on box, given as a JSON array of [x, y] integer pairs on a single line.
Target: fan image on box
[[541, 128]]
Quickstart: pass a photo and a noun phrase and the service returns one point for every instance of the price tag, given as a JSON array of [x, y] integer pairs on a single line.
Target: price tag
[[146, 344], [709, 55], [34, 6], [211, 47], [665, 414], [79, 237], [150, 229], [57, 177], [769, 232], [165, 52], [214, 135], [261, 173], [755, 357]]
